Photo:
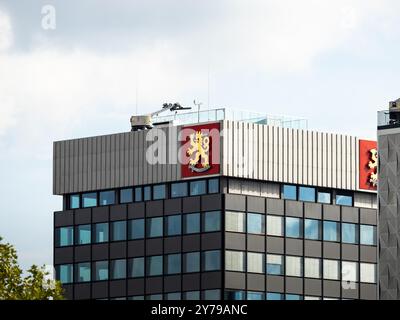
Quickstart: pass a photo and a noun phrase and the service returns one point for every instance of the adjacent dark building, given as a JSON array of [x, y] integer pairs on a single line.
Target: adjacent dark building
[[284, 214]]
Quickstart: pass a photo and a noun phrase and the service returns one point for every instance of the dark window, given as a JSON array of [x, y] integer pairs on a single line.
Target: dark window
[[154, 266], [136, 229], [324, 197], [83, 234], [173, 225], [118, 269], [89, 199], [155, 227], [74, 202], [82, 272], [331, 231], [312, 229], [179, 190], [214, 294], [101, 232], [289, 192], [367, 235], [255, 223], [118, 231], [344, 199], [126, 195], [307, 194], [191, 223], [101, 270], [173, 263], [192, 295], [136, 267], [212, 221], [107, 198], [293, 297], [274, 296], [159, 192], [293, 227], [64, 236], [211, 260], [349, 233], [197, 187], [65, 273], [255, 295], [138, 194], [213, 186], [147, 193], [173, 296], [191, 262], [234, 295]]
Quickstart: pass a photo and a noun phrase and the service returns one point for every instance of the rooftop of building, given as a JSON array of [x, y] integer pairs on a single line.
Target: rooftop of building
[[219, 114]]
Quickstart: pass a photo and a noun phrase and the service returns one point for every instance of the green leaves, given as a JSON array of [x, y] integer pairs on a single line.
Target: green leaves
[[35, 286]]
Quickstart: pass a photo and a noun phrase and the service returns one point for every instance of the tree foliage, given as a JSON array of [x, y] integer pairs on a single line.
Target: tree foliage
[[34, 286]]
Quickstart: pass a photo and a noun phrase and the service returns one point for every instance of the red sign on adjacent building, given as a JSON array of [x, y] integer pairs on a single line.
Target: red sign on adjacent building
[[200, 150], [368, 165]]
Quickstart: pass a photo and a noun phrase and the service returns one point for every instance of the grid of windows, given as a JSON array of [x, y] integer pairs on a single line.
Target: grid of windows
[[145, 193], [140, 267]]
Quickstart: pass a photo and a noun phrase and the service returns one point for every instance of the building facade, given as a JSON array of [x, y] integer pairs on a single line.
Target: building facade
[[252, 212]]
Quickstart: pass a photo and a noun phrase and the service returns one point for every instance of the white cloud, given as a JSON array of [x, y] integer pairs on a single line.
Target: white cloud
[[5, 32]]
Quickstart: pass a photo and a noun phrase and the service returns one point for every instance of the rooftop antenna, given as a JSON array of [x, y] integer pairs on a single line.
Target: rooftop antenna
[[198, 105]]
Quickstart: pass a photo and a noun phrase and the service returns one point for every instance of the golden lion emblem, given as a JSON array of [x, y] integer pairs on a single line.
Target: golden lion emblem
[[199, 152]]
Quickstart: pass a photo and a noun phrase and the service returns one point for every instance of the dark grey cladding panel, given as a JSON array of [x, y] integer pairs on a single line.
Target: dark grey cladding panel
[[172, 245], [83, 216], [191, 282], [82, 253], [191, 204], [294, 208], [135, 287], [100, 290], [275, 284], [331, 250], [235, 202], [332, 288], [275, 245], [100, 251], [350, 293], [349, 252], [154, 208], [117, 288], [118, 212], [256, 204], [312, 248], [331, 212], [82, 291], [136, 210], [111, 161], [255, 282], [191, 243], [313, 210], [235, 241], [368, 291], [368, 254], [275, 206], [211, 280], [118, 250], [350, 214], [294, 247], [63, 218], [172, 283], [235, 280], [172, 206], [154, 246], [63, 255], [136, 248], [294, 285], [368, 216], [312, 287], [154, 285], [68, 291], [255, 243], [389, 221], [100, 214], [211, 202], [211, 241]]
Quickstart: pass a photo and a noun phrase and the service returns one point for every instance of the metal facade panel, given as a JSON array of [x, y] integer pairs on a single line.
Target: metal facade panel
[[250, 151]]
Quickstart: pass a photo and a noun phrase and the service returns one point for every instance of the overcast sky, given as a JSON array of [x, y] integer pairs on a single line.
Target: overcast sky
[[335, 62]]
